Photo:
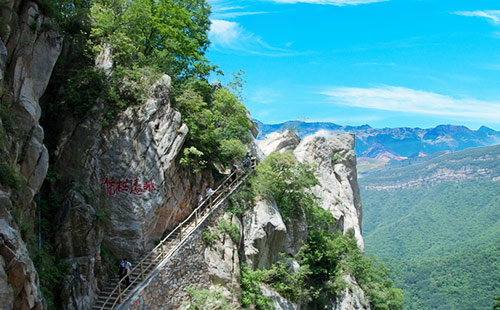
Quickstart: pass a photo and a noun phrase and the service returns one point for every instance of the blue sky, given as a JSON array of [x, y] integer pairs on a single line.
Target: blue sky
[[392, 63]]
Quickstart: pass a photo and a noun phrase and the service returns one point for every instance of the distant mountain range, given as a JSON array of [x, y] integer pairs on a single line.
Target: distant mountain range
[[436, 224], [397, 143]]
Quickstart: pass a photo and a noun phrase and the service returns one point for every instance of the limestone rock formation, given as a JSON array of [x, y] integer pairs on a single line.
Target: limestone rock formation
[[28, 53], [78, 244], [351, 298], [279, 302], [264, 233], [333, 154], [123, 183], [18, 277], [279, 142], [129, 170]]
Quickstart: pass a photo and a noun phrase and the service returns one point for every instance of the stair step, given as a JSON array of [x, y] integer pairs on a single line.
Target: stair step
[[149, 264]]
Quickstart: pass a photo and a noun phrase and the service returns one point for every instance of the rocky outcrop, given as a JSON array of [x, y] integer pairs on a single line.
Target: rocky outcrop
[[333, 156], [29, 49], [335, 161], [351, 298], [279, 302], [19, 285], [279, 142], [78, 242], [130, 184], [223, 262], [264, 233], [129, 170]]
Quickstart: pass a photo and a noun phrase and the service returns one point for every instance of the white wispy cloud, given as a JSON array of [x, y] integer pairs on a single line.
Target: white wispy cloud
[[401, 99], [231, 36], [226, 10], [331, 2], [229, 15], [492, 16]]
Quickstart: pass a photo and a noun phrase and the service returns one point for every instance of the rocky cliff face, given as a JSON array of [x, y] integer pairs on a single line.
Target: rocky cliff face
[[134, 187], [121, 185], [335, 161], [265, 233], [28, 52]]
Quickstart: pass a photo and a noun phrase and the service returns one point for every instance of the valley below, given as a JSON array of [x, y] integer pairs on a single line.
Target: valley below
[[436, 226]]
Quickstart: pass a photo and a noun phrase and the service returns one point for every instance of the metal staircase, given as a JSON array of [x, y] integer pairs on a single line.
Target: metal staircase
[[115, 292]]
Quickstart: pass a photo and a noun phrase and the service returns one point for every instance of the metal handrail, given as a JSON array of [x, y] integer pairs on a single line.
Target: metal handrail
[[211, 200]]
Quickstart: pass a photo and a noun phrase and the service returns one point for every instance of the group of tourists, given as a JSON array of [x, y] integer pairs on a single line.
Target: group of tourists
[[249, 162]]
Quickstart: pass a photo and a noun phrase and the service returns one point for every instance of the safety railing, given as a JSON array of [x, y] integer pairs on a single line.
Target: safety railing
[[161, 251]]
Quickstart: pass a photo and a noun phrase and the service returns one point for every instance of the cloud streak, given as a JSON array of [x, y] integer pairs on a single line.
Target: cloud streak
[[331, 2], [231, 36], [406, 100], [491, 15]]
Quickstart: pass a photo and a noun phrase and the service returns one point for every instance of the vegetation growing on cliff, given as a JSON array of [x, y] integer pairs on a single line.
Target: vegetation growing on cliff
[[146, 39], [202, 299], [251, 295], [326, 257], [217, 121]]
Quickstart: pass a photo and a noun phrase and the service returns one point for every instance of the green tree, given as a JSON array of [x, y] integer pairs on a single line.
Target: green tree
[[496, 305], [283, 179], [170, 35], [218, 122]]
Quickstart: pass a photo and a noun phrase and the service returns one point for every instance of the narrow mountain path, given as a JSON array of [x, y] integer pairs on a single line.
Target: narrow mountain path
[[115, 292]]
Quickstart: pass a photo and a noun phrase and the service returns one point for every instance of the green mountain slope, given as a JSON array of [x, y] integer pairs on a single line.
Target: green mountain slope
[[437, 226]]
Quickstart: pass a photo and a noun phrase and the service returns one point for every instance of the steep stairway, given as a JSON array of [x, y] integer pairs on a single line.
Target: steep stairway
[[115, 292]]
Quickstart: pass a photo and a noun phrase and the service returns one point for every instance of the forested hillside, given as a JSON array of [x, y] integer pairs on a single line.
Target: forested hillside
[[436, 225]]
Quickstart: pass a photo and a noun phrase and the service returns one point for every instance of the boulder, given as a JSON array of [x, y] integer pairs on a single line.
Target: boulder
[[279, 142], [264, 234]]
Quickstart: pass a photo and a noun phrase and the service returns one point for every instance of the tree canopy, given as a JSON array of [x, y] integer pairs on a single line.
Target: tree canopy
[[170, 35]]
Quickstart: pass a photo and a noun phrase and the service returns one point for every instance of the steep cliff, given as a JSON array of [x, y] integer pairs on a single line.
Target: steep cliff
[[269, 238], [131, 176], [253, 253], [335, 162], [332, 155], [29, 49]]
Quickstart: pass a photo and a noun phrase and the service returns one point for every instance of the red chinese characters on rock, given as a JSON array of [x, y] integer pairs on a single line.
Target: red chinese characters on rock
[[127, 186]]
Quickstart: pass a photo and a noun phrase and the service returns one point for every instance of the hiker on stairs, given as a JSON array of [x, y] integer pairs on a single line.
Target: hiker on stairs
[[126, 271]]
